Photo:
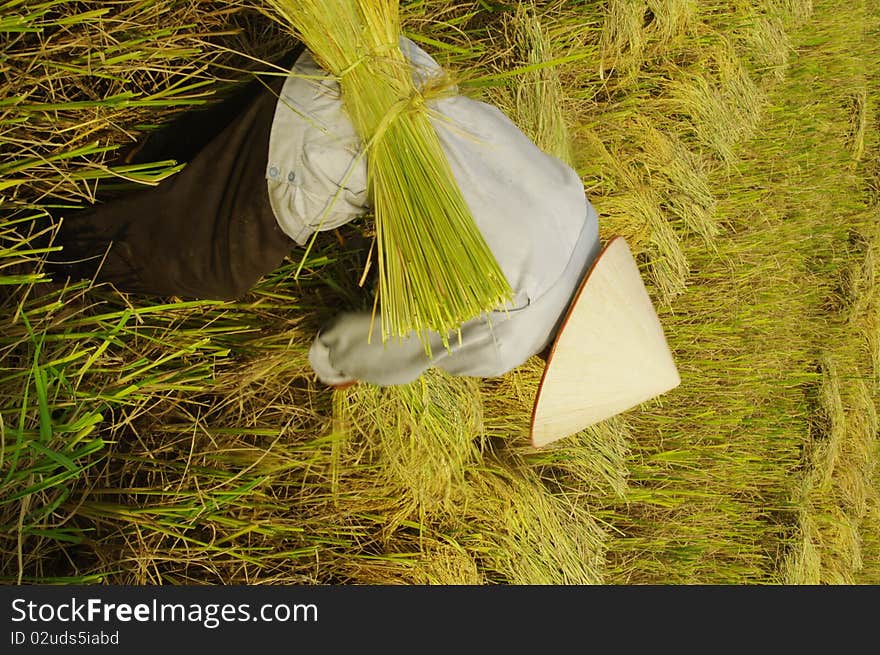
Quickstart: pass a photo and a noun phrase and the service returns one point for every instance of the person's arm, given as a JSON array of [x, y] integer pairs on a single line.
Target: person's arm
[[347, 350], [350, 348]]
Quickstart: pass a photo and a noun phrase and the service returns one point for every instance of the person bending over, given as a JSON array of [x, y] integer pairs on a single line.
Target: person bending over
[[285, 164]]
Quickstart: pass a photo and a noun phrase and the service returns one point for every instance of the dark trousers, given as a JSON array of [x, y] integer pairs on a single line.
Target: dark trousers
[[206, 232]]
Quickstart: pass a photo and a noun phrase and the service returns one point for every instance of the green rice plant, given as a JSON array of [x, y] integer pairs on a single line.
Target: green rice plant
[[435, 269], [839, 488], [61, 117], [78, 370], [41, 457]]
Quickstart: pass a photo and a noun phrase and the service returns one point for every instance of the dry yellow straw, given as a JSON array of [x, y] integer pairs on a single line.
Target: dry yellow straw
[[435, 269]]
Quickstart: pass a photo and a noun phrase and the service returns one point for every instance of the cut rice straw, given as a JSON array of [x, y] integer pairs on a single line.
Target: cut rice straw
[[435, 269]]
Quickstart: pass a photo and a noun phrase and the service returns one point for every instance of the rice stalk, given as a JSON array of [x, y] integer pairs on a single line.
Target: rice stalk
[[670, 19], [525, 536], [838, 491], [540, 102], [623, 38], [797, 12], [683, 176], [448, 564], [425, 436], [769, 46], [724, 112]]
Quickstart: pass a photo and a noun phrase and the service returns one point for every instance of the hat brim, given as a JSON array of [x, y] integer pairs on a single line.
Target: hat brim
[[610, 353]]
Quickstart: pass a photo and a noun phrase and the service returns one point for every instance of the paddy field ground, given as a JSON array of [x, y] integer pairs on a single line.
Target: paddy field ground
[[174, 441]]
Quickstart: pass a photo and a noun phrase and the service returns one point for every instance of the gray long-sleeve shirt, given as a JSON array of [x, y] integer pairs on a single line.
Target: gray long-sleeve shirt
[[529, 206]]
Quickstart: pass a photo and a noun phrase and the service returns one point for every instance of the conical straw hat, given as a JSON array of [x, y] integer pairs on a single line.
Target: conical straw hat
[[610, 353]]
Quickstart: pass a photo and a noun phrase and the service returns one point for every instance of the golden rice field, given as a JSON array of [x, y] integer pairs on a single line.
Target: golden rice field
[[170, 441]]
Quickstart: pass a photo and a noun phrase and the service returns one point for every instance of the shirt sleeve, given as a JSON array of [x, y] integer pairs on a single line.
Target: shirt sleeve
[[350, 348], [316, 173]]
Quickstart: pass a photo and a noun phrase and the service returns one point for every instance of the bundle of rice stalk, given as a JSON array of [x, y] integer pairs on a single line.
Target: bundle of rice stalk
[[435, 269]]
